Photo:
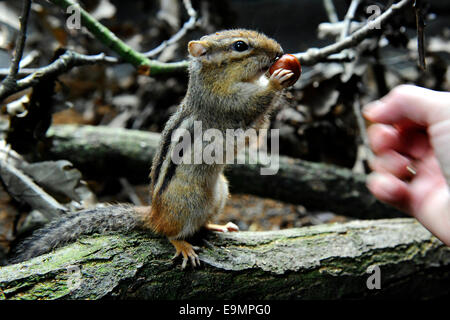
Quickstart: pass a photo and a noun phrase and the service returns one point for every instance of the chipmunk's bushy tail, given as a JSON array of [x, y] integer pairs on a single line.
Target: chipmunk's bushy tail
[[73, 225]]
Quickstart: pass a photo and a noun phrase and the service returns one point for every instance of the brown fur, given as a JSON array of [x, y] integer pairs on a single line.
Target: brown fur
[[162, 221]]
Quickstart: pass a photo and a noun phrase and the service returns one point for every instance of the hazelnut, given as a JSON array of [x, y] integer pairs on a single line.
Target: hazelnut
[[289, 62]]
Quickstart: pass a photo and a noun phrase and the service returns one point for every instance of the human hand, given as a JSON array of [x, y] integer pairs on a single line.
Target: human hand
[[411, 140]]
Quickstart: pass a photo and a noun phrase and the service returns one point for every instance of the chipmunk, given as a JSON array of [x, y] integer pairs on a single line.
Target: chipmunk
[[228, 89]]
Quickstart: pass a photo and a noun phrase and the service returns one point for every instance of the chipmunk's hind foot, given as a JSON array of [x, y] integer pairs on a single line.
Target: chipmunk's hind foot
[[187, 251], [229, 227]]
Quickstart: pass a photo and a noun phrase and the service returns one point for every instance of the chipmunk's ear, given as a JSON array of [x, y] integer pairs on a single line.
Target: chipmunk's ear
[[197, 48]]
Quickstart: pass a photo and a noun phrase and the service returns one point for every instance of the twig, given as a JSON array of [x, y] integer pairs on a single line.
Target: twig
[[22, 72], [363, 145], [188, 25], [65, 62], [10, 79], [328, 29], [128, 188], [346, 29], [20, 44], [344, 56], [364, 150], [348, 19], [22, 188], [331, 11], [314, 55], [28, 59], [420, 24]]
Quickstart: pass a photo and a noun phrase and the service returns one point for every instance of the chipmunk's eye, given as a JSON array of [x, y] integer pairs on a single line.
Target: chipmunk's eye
[[240, 46]]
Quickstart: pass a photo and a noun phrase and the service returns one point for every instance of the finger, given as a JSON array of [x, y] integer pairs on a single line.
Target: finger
[[389, 189], [383, 137], [393, 163], [409, 103], [413, 143]]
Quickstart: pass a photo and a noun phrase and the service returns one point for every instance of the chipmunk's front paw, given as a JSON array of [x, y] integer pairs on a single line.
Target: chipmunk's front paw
[[187, 251], [280, 78]]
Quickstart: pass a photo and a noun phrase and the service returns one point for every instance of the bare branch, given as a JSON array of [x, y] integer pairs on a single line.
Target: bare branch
[[65, 62], [188, 25], [21, 39], [331, 11], [21, 73], [420, 24], [364, 151], [333, 30], [21, 187], [348, 19], [20, 44], [315, 55], [129, 191]]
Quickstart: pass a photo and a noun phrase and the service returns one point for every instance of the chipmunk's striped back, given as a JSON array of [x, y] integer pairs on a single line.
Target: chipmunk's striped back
[[163, 168]]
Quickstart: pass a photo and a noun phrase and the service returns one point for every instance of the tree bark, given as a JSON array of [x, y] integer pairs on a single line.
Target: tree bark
[[103, 151], [320, 262]]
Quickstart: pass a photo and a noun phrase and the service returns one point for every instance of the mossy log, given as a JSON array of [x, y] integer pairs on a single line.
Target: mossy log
[[329, 261], [103, 151]]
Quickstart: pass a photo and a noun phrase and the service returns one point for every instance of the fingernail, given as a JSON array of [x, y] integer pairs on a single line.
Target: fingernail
[[372, 110]]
